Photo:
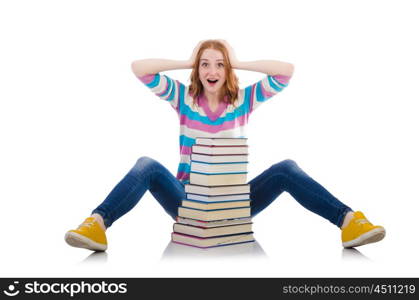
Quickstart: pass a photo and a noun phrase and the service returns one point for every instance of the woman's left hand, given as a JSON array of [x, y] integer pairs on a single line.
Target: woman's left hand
[[231, 54]]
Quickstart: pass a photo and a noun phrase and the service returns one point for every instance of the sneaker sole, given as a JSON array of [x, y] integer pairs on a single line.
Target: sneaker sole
[[372, 236], [80, 241]]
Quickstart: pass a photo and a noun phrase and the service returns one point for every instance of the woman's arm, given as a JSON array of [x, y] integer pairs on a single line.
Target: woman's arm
[[270, 67], [153, 66]]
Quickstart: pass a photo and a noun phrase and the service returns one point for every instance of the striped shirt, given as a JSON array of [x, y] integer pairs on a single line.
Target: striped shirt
[[228, 121]]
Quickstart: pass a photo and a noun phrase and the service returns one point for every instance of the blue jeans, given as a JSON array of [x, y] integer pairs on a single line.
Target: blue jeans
[[148, 174]]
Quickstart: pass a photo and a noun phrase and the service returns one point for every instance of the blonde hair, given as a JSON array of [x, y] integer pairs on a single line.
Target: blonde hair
[[231, 85]]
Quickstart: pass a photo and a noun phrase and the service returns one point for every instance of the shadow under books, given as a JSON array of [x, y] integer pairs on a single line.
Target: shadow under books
[[245, 250], [178, 251]]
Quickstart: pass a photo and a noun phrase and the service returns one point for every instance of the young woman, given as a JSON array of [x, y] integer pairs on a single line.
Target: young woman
[[214, 106]]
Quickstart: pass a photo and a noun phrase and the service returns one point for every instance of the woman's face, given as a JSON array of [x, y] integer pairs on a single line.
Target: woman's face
[[211, 70]]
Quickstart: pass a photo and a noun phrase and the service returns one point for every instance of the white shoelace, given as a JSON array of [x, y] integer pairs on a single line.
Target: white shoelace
[[88, 224], [362, 221]]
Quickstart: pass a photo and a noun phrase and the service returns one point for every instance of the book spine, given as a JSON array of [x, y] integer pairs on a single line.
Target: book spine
[[209, 174], [218, 209], [209, 196], [222, 146], [185, 244], [219, 163], [222, 226], [212, 237], [210, 202]]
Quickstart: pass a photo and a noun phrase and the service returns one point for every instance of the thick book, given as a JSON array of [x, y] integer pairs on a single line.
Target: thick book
[[217, 190], [217, 179], [214, 205], [215, 168], [214, 150], [215, 214], [220, 141], [200, 242], [211, 224], [210, 232], [239, 158], [206, 198]]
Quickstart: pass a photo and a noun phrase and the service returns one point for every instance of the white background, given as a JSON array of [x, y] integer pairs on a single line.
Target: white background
[[74, 119]]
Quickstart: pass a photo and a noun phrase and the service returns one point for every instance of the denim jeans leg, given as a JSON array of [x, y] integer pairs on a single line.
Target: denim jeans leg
[[147, 174], [287, 176]]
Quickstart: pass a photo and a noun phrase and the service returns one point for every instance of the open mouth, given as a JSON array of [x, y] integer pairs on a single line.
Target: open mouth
[[212, 82]]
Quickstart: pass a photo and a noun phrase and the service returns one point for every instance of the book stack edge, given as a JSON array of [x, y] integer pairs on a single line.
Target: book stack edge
[[216, 211]]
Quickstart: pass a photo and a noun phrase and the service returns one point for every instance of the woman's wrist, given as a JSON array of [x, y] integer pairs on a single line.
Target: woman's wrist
[[189, 64], [237, 65]]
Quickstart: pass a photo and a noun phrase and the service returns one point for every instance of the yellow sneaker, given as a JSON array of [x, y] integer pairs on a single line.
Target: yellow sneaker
[[89, 235], [360, 231]]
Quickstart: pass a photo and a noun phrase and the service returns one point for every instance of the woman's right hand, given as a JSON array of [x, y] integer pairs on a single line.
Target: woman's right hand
[[191, 60]]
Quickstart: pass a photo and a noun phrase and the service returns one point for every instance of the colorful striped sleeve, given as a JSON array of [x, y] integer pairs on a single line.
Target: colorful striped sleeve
[[165, 88], [259, 92]]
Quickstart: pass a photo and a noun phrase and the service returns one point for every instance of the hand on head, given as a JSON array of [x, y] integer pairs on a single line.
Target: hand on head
[[231, 53], [195, 52]]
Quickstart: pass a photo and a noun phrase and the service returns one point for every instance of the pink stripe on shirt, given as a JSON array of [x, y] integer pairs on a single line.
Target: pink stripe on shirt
[[282, 78], [147, 78], [182, 176], [239, 121], [185, 150], [265, 93]]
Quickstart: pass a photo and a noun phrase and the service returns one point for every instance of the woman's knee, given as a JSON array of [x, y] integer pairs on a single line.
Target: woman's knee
[[286, 166], [145, 163]]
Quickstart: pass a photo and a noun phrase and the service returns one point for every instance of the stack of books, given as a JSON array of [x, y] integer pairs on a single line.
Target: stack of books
[[216, 211]]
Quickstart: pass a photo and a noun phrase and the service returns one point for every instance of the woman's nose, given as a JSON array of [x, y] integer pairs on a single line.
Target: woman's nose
[[213, 70]]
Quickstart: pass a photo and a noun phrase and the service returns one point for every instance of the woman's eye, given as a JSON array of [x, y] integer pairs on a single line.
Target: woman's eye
[[221, 65], [204, 64]]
